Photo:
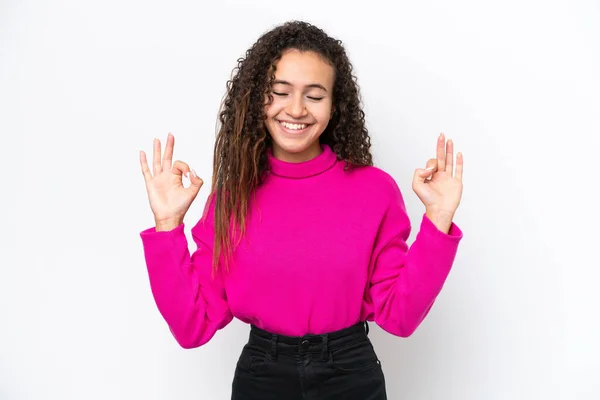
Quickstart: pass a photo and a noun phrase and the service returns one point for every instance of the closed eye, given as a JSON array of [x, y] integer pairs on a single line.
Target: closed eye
[[285, 94]]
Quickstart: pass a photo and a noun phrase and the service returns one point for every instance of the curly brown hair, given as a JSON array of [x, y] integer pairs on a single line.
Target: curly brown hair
[[240, 153]]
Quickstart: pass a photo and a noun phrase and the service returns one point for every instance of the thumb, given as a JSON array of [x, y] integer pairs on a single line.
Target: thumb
[[421, 174], [429, 169], [195, 183]]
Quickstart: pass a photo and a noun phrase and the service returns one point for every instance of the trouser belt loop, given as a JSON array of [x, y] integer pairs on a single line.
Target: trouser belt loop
[[274, 346], [324, 351], [366, 327]]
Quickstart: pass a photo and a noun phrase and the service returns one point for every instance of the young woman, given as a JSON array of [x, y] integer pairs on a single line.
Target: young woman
[[301, 236]]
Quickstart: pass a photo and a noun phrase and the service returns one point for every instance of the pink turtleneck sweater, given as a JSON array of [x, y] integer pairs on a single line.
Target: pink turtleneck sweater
[[324, 249]]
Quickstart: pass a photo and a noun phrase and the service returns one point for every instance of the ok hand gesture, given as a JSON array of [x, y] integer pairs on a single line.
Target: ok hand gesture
[[169, 199], [438, 186]]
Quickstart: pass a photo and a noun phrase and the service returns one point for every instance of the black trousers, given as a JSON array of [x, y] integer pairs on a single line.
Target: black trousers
[[340, 365]]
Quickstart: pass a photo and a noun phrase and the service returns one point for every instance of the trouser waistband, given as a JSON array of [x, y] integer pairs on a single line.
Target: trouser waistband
[[323, 343]]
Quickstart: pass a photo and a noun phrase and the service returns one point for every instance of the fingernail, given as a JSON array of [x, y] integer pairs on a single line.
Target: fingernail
[[194, 174], [187, 175], [429, 169]]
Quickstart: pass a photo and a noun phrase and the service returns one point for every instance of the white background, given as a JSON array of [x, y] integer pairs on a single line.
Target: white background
[[85, 85]]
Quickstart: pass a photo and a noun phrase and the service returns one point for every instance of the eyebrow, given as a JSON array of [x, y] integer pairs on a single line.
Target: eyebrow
[[312, 85]]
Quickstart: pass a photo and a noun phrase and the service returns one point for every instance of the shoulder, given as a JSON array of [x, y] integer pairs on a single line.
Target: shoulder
[[373, 186], [375, 179]]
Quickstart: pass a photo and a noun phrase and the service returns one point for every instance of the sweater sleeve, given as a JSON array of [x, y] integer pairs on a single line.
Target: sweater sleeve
[[405, 281], [190, 299]]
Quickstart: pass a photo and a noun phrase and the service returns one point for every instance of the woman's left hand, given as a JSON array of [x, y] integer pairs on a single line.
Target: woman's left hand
[[438, 186]]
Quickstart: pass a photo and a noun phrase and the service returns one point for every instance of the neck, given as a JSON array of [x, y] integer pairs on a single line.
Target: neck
[[322, 162], [313, 151]]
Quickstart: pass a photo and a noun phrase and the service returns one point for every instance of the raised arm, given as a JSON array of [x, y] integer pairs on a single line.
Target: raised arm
[[191, 301]]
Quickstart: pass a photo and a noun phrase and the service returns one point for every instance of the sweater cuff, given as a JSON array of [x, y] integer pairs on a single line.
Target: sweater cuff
[[152, 234], [428, 228]]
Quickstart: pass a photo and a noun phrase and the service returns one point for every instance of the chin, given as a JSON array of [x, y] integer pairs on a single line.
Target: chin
[[293, 148], [297, 151]]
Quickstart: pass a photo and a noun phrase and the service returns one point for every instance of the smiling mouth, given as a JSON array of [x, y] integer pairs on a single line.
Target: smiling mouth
[[293, 129]]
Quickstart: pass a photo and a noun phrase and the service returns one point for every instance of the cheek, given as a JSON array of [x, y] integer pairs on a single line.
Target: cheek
[[269, 110], [272, 109], [322, 113]]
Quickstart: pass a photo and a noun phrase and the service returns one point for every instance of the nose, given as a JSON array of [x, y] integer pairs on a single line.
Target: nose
[[296, 107]]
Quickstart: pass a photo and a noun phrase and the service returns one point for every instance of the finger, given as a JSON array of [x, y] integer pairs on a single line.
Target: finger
[[450, 156], [459, 166], [441, 156], [168, 157], [145, 169], [156, 157], [180, 168], [431, 163]]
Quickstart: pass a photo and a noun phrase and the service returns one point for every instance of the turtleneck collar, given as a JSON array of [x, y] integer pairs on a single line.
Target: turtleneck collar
[[315, 166]]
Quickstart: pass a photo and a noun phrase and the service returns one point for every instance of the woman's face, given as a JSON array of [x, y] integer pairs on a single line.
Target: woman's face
[[301, 107]]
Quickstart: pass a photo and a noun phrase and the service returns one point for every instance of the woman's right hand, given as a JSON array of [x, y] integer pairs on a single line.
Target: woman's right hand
[[169, 199]]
